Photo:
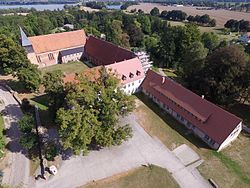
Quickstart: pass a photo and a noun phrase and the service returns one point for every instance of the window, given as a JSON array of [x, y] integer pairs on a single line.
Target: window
[[51, 56], [133, 83], [39, 59], [139, 81]]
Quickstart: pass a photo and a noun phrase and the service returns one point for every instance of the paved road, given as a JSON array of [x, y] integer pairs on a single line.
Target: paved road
[[141, 149], [17, 173]]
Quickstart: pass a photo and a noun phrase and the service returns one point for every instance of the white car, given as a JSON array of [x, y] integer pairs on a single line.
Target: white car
[[53, 170]]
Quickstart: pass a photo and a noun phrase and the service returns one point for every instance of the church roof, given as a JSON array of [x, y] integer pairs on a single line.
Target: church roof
[[58, 41]]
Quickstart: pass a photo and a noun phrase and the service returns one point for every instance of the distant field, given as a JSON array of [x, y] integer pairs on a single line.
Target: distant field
[[216, 30], [221, 16]]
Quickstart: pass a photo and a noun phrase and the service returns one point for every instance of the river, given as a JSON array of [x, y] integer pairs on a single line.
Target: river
[[37, 7]]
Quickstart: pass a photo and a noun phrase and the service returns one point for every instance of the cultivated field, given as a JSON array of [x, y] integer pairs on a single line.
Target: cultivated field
[[221, 16]]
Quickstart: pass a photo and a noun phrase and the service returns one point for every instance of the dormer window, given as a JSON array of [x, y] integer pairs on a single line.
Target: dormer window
[[131, 75], [138, 73], [124, 77]]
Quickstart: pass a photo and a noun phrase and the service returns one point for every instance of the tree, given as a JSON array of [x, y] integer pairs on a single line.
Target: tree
[[135, 35], [29, 76], [155, 12], [13, 61], [193, 61], [54, 87], [145, 23], [176, 15], [26, 123], [174, 42], [12, 55], [164, 14], [210, 40], [28, 138], [92, 112], [222, 74]]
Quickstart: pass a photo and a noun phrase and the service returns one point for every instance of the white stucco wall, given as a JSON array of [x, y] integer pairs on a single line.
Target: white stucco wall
[[234, 134], [132, 87]]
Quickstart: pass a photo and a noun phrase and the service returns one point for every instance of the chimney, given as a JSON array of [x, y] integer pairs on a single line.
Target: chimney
[[163, 79], [202, 96]]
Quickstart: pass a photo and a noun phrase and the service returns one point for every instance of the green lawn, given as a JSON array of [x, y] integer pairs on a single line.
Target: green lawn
[[1, 121], [143, 177], [71, 67], [229, 168]]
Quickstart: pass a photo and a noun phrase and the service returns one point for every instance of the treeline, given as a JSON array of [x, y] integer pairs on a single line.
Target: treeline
[[236, 26], [127, 4], [16, 10], [178, 15], [204, 20], [95, 5]]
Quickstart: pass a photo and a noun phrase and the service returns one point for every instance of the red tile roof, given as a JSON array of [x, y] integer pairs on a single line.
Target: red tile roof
[[131, 69], [105, 52], [58, 41], [92, 74], [210, 119]]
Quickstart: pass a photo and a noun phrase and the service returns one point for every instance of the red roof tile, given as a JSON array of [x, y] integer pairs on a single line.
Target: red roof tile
[[58, 41], [105, 52], [210, 119], [126, 68]]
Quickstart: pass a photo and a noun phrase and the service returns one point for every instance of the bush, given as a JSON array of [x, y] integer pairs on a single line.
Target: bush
[[51, 151]]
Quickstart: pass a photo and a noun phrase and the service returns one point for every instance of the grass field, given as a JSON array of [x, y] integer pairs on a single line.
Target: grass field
[[228, 168], [216, 30], [71, 67], [1, 121], [142, 177], [221, 16]]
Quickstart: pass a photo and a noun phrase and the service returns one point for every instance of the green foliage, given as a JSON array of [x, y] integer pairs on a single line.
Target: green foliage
[[193, 61], [210, 40], [53, 83], [92, 118], [26, 123], [13, 61], [29, 141], [173, 44], [12, 55], [2, 137], [155, 12], [51, 151], [30, 76], [222, 76], [28, 138]]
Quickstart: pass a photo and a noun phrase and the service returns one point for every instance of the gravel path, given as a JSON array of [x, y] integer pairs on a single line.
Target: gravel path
[[17, 172]]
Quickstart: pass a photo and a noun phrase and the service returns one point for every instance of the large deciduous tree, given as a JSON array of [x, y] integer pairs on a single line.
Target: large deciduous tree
[[13, 61], [54, 87], [193, 61], [90, 117], [223, 74]]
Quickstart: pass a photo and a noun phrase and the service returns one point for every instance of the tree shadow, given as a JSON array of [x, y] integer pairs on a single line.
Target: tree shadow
[[242, 111], [14, 113], [172, 122], [17, 86]]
